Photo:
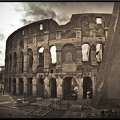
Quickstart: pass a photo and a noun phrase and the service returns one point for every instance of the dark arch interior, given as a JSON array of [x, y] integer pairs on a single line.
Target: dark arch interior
[[14, 86], [21, 86], [53, 87], [40, 87], [87, 86], [67, 88], [29, 87]]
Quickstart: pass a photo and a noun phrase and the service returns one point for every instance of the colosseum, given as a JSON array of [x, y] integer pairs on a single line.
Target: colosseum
[[45, 59]]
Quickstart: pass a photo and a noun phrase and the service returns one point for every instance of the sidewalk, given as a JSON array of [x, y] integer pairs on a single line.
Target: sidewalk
[[8, 109]]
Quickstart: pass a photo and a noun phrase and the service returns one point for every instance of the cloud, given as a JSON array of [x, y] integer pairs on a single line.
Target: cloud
[[25, 21], [1, 52], [60, 11], [2, 36]]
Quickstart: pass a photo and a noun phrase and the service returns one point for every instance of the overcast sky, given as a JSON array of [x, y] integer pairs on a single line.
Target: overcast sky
[[14, 15]]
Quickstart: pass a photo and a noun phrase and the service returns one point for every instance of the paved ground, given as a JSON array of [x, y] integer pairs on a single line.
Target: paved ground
[[44, 108], [8, 109]]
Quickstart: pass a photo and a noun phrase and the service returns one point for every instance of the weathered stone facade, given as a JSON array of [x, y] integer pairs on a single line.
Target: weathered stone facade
[[28, 71]]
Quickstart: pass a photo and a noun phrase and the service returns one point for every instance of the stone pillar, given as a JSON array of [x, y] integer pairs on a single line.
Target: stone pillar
[[58, 52], [17, 85], [79, 56], [80, 88], [78, 32], [93, 59], [47, 86], [35, 59], [25, 61], [25, 85], [106, 31], [25, 54], [59, 81], [46, 60], [34, 85], [18, 61]]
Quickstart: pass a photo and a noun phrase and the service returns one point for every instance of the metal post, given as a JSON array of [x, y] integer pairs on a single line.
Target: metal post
[[24, 96], [52, 102], [60, 102], [68, 104]]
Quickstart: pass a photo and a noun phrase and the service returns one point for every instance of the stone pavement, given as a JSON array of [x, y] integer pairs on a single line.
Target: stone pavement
[[45, 108], [8, 109]]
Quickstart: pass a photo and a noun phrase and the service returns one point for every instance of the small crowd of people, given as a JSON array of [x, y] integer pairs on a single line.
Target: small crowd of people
[[108, 113]]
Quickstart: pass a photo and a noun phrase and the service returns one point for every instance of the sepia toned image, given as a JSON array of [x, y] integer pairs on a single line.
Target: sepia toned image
[[59, 60]]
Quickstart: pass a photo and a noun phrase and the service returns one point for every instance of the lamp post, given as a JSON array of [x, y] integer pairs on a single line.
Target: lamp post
[[24, 94]]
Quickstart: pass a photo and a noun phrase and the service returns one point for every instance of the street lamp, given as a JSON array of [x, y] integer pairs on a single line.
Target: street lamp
[[24, 94]]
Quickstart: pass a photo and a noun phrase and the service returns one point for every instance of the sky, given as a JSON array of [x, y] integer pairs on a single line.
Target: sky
[[14, 15]]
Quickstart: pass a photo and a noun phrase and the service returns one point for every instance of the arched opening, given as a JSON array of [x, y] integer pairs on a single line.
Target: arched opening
[[9, 84], [15, 60], [67, 88], [21, 63], [41, 56], [41, 60], [85, 52], [14, 86], [87, 86], [40, 87], [29, 86], [99, 51], [53, 87], [21, 86], [30, 59], [21, 44], [69, 51], [53, 54]]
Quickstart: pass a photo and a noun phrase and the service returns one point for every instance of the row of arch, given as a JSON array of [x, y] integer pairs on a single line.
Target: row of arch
[[69, 87], [97, 52]]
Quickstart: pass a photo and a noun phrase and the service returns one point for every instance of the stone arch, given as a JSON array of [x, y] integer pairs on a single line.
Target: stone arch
[[53, 54], [67, 87], [85, 52], [15, 60], [40, 52], [29, 86], [21, 86], [40, 87], [53, 87], [68, 48], [14, 86], [68, 56], [87, 86], [99, 52], [30, 58], [21, 62]]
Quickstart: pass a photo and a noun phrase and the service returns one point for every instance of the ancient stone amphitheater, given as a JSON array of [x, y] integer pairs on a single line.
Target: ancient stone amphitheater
[[46, 59]]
